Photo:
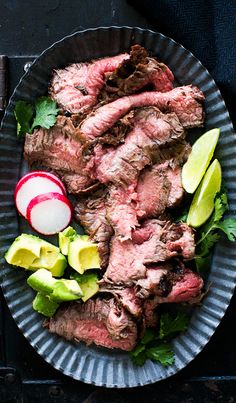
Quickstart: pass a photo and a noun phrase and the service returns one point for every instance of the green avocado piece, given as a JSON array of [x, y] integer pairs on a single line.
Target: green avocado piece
[[32, 253], [55, 263], [66, 290], [88, 284], [43, 304], [83, 254], [58, 268], [23, 251], [42, 281], [65, 237]]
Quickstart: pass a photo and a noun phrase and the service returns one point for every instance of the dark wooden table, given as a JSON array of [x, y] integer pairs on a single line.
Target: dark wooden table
[[27, 27]]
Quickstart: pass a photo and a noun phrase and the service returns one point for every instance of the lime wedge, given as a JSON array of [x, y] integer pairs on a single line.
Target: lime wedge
[[203, 201], [199, 159]]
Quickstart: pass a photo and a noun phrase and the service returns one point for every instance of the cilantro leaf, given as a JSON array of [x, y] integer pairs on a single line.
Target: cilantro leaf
[[138, 355], [161, 353], [148, 336], [46, 112], [43, 114], [210, 234], [202, 263], [153, 343], [23, 114], [182, 217], [207, 242], [228, 226], [170, 325]]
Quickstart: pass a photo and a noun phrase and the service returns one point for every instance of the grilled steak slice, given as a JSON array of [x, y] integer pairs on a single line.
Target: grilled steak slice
[[176, 189], [126, 296], [91, 213], [186, 288], [121, 212], [102, 322], [185, 102], [154, 282], [76, 87], [149, 312], [152, 129], [58, 149], [153, 190], [135, 73], [155, 241], [160, 186], [117, 133]]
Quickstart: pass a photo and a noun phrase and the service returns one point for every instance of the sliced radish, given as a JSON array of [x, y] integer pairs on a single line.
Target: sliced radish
[[49, 213], [33, 184]]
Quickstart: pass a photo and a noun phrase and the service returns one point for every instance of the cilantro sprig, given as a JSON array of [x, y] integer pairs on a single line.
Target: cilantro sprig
[[213, 229], [154, 344], [42, 114]]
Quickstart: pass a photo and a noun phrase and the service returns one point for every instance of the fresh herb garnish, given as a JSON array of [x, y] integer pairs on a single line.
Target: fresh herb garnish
[[42, 114], [154, 344], [23, 114], [210, 233], [169, 325]]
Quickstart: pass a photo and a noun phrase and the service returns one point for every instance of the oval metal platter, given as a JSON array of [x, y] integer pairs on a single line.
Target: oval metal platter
[[91, 364]]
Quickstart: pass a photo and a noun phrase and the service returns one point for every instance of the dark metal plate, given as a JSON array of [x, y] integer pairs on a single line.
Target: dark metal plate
[[91, 364]]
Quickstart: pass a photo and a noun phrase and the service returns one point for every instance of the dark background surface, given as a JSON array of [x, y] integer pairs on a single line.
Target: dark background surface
[[27, 28]]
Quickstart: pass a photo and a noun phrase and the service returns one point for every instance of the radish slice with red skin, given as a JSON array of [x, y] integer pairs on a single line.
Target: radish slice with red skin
[[49, 213], [33, 184]]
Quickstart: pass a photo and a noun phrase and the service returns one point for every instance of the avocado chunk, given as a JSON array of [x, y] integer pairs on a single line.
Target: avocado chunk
[[42, 281], [56, 264], [43, 304], [23, 251], [65, 237], [88, 284], [83, 255], [32, 253], [66, 290]]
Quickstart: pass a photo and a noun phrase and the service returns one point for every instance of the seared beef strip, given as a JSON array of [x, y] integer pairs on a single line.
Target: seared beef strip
[[117, 133], [98, 321], [187, 287], [152, 129], [160, 186], [121, 212], [155, 241], [185, 102], [126, 296], [150, 313], [59, 149], [168, 282], [76, 87], [91, 213], [153, 190], [135, 73]]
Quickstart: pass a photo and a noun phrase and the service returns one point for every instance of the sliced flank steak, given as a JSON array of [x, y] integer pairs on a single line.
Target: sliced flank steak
[[76, 87], [135, 73], [185, 102], [151, 130], [155, 241], [100, 321]]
